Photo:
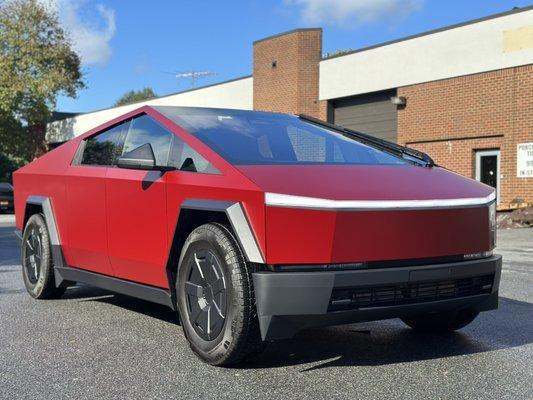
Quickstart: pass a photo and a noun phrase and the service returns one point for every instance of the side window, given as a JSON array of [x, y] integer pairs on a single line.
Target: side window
[[184, 158], [104, 148], [145, 130]]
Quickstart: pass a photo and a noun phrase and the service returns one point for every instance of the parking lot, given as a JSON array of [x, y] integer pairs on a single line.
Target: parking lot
[[93, 344]]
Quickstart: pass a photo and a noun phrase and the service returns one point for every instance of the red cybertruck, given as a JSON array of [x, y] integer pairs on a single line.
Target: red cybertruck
[[256, 225]]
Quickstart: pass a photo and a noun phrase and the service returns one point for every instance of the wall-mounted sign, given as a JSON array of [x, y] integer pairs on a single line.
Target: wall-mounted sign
[[524, 160]]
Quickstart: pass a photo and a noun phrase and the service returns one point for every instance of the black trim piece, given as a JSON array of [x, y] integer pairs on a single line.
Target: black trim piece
[[515, 10], [415, 262], [286, 33], [55, 238], [78, 156], [206, 205], [277, 327], [291, 301], [238, 220], [366, 265], [145, 292], [18, 234], [454, 139], [409, 293]]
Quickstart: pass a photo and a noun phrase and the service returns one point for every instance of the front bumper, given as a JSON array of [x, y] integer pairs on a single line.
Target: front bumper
[[288, 302]]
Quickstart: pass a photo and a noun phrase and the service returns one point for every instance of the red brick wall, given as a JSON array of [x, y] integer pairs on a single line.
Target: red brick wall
[[471, 108], [292, 85], [492, 110]]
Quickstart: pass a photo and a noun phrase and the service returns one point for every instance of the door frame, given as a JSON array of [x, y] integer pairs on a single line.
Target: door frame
[[482, 153]]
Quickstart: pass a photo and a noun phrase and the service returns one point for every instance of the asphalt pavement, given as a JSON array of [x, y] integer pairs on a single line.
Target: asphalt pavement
[[93, 344]]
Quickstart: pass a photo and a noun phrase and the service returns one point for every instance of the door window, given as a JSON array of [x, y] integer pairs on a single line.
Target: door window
[[145, 130], [184, 158], [107, 146], [104, 148]]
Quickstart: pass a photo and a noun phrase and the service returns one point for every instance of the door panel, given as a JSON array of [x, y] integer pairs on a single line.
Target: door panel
[[137, 225], [86, 221]]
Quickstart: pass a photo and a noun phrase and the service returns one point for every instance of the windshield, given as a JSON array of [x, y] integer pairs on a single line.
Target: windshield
[[244, 137]]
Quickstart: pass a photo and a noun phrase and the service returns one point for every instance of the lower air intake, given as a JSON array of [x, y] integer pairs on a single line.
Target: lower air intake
[[408, 293]]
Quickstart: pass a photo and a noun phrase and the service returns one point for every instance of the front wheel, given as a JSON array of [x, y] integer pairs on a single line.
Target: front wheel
[[216, 298], [37, 264], [441, 322]]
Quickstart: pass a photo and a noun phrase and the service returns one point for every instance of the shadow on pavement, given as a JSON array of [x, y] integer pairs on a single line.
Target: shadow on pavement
[[365, 344], [387, 342], [90, 293]]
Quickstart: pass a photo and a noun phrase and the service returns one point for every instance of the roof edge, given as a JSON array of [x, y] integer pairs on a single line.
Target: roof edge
[[515, 10], [286, 33]]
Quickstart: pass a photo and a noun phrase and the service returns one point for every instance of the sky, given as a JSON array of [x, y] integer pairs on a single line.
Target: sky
[[127, 45]]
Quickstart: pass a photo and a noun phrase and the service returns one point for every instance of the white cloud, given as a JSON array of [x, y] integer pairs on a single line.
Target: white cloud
[[353, 12], [90, 32]]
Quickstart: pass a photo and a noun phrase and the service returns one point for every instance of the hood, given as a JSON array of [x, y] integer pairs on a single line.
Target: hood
[[364, 182]]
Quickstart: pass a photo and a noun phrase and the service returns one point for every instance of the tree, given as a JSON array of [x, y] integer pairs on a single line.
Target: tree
[[37, 64], [134, 96], [338, 53]]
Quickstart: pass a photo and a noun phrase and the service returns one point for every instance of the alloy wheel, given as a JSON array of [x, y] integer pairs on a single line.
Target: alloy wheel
[[34, 253], [206, 294]]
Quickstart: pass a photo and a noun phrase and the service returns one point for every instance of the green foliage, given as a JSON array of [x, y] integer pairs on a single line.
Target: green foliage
[[7, 166], [134, 96], [13, 140], [37, 63], [338, 53]]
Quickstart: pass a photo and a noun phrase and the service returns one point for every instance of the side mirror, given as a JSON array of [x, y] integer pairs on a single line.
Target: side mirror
[[188, 165], [141, 157]]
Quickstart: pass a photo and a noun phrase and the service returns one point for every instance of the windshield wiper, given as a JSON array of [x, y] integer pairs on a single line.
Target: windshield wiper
[[402, 151]]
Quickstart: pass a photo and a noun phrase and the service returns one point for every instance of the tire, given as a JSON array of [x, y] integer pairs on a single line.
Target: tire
[[37, 264], [441, 322], [216, 299]]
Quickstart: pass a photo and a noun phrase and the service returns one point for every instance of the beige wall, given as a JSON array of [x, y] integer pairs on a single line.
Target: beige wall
[[237, 94], [488, 45]]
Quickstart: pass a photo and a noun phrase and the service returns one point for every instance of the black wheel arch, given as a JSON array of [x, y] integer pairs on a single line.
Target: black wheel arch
[[196, 212], [188, 220], [29, 210], [36, 204]]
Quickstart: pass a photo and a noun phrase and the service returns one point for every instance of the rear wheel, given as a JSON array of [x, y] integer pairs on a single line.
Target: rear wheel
[[37, 264], [216, 298], [441, 322]]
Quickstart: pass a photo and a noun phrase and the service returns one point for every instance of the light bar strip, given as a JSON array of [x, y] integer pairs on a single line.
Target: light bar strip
[[286, 200]]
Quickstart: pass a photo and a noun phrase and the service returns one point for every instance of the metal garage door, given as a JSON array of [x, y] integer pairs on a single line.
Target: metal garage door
[[369, 113]]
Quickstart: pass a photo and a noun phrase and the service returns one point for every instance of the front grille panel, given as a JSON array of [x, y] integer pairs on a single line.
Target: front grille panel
[[408, 293]]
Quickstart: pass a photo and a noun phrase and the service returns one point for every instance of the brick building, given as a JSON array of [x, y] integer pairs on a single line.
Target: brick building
[[463, 94]]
